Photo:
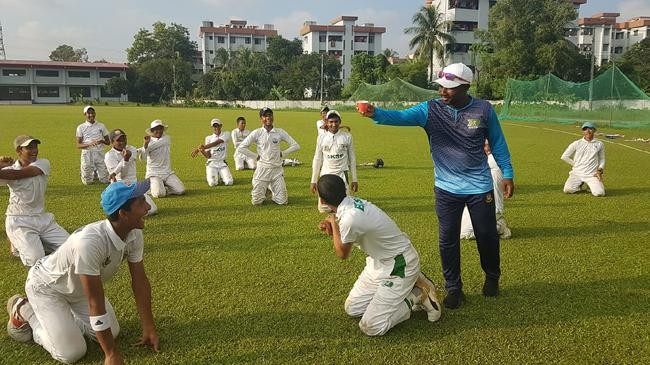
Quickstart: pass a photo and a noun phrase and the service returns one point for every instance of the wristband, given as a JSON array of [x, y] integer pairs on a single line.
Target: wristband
[[100, 323]]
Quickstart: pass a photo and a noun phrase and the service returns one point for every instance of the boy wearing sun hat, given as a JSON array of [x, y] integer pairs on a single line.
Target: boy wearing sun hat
[[157, 149]]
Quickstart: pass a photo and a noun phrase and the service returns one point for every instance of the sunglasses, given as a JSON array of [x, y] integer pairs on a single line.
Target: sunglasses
[[450, 76]]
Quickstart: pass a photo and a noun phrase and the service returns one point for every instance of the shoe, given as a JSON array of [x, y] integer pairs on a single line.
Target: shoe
[[429, 300], [454, 299], [491, 288], [17, 327]]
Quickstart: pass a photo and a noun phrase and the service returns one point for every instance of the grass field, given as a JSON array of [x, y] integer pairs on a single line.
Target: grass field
[[233, 283]]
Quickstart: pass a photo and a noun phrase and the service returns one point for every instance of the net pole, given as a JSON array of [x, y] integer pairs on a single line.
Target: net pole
[[548, 81], [591, 73], [611, 95]]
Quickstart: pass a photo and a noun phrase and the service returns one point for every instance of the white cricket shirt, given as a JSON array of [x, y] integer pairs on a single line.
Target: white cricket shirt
[[94, 249], [219, 152], [268, 146], [588, 156], [334, 155], [27, 196], [158, 159], [368, 227], [319, 126], [123, 170], [238, 136], [90, 132]]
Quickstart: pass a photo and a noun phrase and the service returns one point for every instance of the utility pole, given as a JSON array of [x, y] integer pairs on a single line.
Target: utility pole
[[3, 54], [591, 73], [322, 61]]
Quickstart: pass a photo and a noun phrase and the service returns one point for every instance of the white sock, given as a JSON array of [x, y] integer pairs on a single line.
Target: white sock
[[414, 297], [26, 312]]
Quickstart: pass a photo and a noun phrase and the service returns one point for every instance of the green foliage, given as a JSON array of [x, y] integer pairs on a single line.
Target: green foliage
[[66, 53], [412, 72], [429, 33], [161, 60], [237, 284], [117, 85], [527, 38], [635, 64], [364, 70]]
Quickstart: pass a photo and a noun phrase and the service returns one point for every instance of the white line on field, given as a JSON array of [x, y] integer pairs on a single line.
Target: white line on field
[[575, 134]]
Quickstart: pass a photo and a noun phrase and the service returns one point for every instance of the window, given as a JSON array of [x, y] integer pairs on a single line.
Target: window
[[371, 38], [105, 94], [322, 37], [619, 35], [336, 38], [464, 26], [15, 93], [371, 53], [247, 40], [221, 40], [210, 37], [258, 41], [211, 51], [83, 74], [604, 61], [14, 73], [108, 75], [492, 3], [232, 40], [464, 4], [606, 32], [47, 91], [618, 50], [636, 32], [587, 31], [458, 47], [336, 54], [47, 73], [79, 91], [605, 47], [360, 38]]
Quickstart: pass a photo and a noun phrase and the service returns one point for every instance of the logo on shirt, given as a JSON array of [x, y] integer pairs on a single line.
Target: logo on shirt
[[489, 198], [106, 262], [275, 140], [336, 156], [359, 204], [388, 284], [473, 123]]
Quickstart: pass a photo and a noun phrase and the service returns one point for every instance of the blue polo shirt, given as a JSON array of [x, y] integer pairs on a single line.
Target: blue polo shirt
[[456, 138]]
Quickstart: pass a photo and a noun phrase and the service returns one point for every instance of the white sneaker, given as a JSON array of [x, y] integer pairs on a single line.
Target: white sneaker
[[17, 327], [429, 300]]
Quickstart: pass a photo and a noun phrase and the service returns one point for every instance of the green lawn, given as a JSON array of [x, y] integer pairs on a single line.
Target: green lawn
[[233, 283]]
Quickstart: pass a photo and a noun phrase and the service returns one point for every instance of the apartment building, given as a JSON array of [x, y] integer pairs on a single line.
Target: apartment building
[[57, 82], [232, 37], [607, 39], [466, 16], [342, 38]]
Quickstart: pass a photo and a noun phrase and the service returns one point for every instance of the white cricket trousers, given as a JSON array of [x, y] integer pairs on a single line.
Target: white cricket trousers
[[59, 323], [92, 160], [573, 183], [34, 236], [269, 178], [170, 185], [213, 174], [379, 294], [244, 162]]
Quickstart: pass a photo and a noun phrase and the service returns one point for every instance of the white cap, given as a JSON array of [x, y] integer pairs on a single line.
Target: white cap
[[215, 121], [88, 107], [331, 113], [459, 74], [156, 123]]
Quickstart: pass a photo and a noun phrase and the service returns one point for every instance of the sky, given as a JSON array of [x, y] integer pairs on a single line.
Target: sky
[[33, 28]]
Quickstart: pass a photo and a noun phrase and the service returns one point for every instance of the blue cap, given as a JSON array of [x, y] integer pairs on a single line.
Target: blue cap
[[118, 193], [588, 125]]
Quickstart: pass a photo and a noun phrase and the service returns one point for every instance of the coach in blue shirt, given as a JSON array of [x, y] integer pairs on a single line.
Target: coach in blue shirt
[[457, 126]]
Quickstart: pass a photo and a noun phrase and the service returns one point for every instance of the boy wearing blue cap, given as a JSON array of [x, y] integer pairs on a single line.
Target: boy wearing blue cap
[[65, 291], [587, 157]]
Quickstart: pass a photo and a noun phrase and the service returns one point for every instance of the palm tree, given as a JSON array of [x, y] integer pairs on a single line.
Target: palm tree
[[429, 32]]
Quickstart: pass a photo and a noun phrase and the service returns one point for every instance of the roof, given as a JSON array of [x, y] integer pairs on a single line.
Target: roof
[[308, 28], [66, 65], [238, 31]]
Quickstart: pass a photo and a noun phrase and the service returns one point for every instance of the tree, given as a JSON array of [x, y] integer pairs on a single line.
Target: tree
[[162, 41], [117, 85], [283, 51], [364, 69], [429, 36], [635, 64], [413, 72], [66, 53], [527, 38]]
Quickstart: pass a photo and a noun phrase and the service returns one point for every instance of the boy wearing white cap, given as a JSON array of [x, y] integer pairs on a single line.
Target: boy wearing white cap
[[242, 161], [587, 157], [120, 162], [391, 285], [91, 135], [65, 291], [32, 231], [334, 155], [457, 126], [269, 174], [157, 147], [215, 149]]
